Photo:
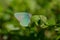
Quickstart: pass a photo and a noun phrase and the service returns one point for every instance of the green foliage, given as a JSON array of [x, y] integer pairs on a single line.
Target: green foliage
[[45, 20]]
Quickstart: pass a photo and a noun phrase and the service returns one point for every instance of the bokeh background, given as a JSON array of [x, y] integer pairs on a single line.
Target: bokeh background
[[49, 29]]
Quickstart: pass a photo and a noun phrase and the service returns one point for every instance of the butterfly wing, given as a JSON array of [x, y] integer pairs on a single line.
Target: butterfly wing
[[25, 21], [23, 18]]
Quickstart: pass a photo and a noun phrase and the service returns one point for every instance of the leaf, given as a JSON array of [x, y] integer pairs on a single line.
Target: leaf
[[35, 18], [43, 19], [10, 27]]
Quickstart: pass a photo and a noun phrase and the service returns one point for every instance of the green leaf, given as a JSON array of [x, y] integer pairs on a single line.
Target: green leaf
[[35, 18], [43, 19]]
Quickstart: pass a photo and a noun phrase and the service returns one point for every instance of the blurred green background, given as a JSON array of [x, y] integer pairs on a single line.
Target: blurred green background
[[48, 28]]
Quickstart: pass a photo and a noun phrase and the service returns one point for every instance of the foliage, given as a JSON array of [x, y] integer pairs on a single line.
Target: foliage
[[45, 20]]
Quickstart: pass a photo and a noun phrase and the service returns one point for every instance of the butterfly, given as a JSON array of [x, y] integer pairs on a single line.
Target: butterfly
[[23, 18]]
